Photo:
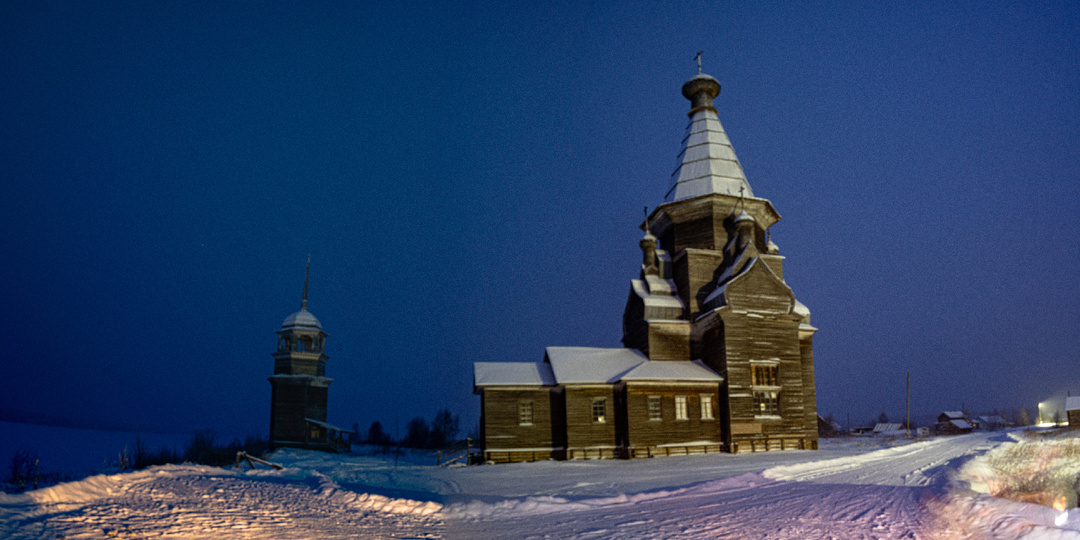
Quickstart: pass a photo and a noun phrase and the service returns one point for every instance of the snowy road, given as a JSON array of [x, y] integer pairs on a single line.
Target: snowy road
[[746, 506], [846, 492], [918, 464], [889, 493]]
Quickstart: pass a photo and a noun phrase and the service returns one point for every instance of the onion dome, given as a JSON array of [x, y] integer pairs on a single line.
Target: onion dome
[[743, 217], [301, 320]]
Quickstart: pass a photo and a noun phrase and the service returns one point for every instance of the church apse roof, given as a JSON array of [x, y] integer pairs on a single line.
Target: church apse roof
[[694, 371], [512, 374], [584, 365]]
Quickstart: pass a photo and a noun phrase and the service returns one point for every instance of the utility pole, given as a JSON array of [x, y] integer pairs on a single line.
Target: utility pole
[[908, 405]]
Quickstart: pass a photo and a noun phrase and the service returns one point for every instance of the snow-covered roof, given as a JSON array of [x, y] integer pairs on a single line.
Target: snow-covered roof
[[1072, 403], [672, 370], [302, 319], [512, 374], [961, 424], [954, 414], [802, 311], [326, 425], [658, 297], [884, 427], [582, 365], [708, 163]]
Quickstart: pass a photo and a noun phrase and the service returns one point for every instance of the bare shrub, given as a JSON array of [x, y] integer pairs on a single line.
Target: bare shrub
[[1039, 469], [24, 471]]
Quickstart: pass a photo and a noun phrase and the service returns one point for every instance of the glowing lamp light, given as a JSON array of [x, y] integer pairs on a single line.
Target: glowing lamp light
[[1063, 515]]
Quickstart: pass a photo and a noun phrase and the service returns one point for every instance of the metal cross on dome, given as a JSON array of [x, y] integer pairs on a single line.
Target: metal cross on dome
[[698, 58]]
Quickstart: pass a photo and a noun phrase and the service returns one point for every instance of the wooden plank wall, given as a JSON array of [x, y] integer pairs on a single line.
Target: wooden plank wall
[[644, 432], [502, 427], [291, 404], [806, 352], [581, 431], [695, 273], [669, 340], [758, 327]]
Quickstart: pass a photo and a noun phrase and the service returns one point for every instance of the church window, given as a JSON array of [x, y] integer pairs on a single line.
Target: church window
[[525, 413], [680, 408], [706, 407], [765, 375], [599, 410], [766, 403], [655, 408]]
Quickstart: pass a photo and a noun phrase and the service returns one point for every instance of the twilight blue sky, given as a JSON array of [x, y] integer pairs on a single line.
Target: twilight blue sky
[[469, 181]]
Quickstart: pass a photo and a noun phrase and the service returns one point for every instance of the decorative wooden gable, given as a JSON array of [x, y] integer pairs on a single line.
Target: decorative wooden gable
[[758, 289]]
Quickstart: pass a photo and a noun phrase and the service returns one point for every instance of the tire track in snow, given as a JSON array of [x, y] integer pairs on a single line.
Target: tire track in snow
[[882, 494], [916, 464], [748, 506]]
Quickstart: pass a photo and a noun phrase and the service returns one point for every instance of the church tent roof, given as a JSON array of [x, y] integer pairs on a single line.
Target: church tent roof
[[512, 374], [707, 162]]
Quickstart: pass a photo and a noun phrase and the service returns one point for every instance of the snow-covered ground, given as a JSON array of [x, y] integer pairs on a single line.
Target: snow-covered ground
[[844, 491]]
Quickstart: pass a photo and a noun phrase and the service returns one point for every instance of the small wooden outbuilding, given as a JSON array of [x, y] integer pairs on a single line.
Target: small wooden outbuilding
[[953, 423], [1072, 409]]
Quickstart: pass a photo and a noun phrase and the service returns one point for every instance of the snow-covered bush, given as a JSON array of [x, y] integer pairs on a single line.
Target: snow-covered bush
[[1039, 468]]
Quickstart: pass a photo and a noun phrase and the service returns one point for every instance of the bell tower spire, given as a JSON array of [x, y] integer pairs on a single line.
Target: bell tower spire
[[307, 273]]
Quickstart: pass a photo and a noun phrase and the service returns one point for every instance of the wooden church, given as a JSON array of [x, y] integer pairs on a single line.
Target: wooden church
[[718, 353], [299, 385]]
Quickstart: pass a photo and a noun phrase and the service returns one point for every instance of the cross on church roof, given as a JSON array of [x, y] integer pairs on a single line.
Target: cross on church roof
[[698, 58]]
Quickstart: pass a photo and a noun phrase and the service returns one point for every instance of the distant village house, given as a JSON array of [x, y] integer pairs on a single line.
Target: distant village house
[[1072, 410], [953, 423]]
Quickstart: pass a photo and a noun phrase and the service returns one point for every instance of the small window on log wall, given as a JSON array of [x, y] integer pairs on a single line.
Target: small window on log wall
[[599, 410], [656, 411], [766, 403], [706, 407], [525, 413], [765, 375]]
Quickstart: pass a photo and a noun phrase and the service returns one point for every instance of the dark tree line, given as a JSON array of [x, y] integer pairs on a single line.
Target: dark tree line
[[441, 432]]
